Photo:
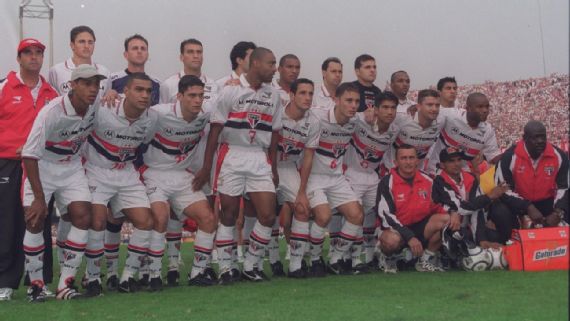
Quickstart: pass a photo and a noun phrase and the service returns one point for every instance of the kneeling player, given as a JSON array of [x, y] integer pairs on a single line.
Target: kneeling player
[[53, 166], [167, 178], [409, 216], [118, 132]]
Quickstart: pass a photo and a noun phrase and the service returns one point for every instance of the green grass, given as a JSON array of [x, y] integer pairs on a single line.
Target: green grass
[[456, 295]]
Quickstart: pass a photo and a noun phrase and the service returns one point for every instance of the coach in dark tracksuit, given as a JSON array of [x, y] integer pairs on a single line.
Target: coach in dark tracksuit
[[22, 95]]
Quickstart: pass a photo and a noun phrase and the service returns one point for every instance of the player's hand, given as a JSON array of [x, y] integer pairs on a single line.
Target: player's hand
[[110, 99], [36, 212], [369, 116], [535, 215], [19, 151], [412, 110], [454, 221], [476, 161], [498, 191], [553, 219], [489, 245], [302, 204], [200, 179], [232, 82], [416, 247]]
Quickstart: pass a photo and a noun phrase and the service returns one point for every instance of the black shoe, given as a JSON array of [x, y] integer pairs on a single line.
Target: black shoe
[[202, 279], [236, 275], [335, 268], [304, 266], [112, 283], [252, 275], [277, 269], [129, 286], [172, 278], [144, 281], [155, 284], [93, 289], [36, 294], [373, 265], [226, 278], [318, 268], [297, 274], [360, 269], [262, 274], [211, 274], [68, 293]]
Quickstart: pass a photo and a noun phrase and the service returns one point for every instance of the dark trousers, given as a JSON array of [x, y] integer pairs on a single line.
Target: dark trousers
[[12, 225], [504, 220]]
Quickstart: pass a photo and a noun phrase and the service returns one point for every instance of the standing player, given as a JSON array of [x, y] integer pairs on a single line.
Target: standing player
[[239, 58], [369, 143], [447, 88], [365, 70], [409, 215], [113, 180], [168, 178], [332, 77], [22, 95], [289, 69], [250, 117], [400, 84], [469, 132], [52, 151], [327, 187], [298, 140]]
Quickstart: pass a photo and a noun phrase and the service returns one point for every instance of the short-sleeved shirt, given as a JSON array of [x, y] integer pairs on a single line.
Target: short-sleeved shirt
[[322, 98], [367, 95], [60, 74], [296, 136], [169, 88], [119, 81]]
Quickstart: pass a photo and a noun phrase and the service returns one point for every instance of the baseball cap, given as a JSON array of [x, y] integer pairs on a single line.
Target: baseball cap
[[85, 71], [28, 42], [447, 153]]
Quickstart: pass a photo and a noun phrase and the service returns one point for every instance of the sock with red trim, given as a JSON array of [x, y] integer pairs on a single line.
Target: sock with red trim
[[173, 240], [258, 240], [137, 251], [224, 245], [74, 249], [298, 243], [34, 251], [203, 247], [348, 234], [155, 253], [94, 254], [112, 243]]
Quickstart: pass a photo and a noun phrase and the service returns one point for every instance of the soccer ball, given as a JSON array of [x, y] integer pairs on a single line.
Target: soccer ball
[[498, 260], [477, 260]]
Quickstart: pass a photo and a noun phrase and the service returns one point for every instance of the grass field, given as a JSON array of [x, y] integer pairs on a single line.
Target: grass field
[[456, 295]]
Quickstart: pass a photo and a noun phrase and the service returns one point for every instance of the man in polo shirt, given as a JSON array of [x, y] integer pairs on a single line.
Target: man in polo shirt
[[365, 70], [289, 69], [331, 70], [400, 85]]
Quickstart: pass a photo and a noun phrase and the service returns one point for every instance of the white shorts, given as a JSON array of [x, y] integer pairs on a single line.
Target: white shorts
[[334, 190], [174, 187], [289, 182], [120, 188], [242, 170], [66, 182]]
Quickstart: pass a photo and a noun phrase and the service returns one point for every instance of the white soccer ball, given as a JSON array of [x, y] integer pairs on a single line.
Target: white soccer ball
[[478, 260], [498, 259]]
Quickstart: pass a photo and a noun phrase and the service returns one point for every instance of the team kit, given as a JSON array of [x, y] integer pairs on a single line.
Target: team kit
[[246, 158]]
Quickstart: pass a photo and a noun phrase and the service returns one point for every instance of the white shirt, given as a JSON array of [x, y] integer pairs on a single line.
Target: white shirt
[[34, 91], [58, 132], [404, 105], [296, 136], [221, 83], [249, 116], [322, 98], [282, 92], [60, 74], [169, 88], [114, 139], [175, 140], [333, 142]]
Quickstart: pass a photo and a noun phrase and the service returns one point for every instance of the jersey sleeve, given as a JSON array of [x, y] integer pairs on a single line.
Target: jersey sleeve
[[224, 105], [277, 122], [562, 181], [443, 194], [36, 142], [491, 148], [314, 134]]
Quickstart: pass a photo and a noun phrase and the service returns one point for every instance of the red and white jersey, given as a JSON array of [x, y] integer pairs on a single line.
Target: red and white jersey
[[169, 88], [333, 142], [404, 105], [175, 140], [367, 148], [60, 74], [221, 83], [457, 133], [322, 98], [249, 116], [296, 136], [285, 99], [411, 133], [58, 132], [114, 140]]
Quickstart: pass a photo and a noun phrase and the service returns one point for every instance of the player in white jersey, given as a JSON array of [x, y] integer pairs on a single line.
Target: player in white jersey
[[289, 69], [239, 58], [250, 117], [192, 57], [297, 142], [82, 43], [327, 187], [447, 88], [469, 132], [52, 163], [332, 77], [364, 169], [168, 177], [400, 85], [113, 180], [421, 130]]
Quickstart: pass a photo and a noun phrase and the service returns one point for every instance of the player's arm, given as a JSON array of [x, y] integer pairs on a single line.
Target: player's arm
[[386, 210], [446, 197], [491, 149], [272, 154], [203, 175], [306, 166]]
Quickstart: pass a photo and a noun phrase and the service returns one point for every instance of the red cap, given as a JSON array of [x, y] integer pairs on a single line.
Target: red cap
[[28, 42]]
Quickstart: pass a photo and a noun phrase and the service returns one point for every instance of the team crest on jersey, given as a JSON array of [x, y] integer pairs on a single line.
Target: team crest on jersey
[[168, 131], [287, 145], [253, 118], [338, 149], [369, 152], [423, 193], [549, 170], [185, 147], [109, 133], [400, 197], [76, 144], [124, 153], [362, 132]]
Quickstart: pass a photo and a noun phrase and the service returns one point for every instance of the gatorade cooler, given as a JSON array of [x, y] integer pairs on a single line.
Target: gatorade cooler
[[539, 249]]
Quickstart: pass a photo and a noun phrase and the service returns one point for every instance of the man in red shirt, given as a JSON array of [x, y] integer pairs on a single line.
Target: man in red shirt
[[409, 215], [22, 95]]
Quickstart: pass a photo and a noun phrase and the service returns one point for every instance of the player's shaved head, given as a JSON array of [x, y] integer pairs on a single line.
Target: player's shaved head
[[534, 138], [533, 127], [258, 54], [474, 98]]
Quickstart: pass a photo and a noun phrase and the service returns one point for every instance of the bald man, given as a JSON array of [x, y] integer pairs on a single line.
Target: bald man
[[400, 85]]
